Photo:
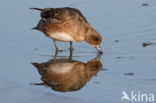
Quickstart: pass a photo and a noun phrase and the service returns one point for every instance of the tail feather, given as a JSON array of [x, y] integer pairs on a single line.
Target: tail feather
[[36, 28], [39, 9], [35, 65]]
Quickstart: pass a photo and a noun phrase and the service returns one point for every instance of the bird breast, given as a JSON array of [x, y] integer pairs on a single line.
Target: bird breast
[[62, 36]]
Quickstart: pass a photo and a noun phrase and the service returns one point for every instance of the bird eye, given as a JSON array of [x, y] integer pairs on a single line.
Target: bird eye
[[96, 39]]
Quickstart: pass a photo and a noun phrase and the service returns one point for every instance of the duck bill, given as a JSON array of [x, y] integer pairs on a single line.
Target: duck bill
[[99, 49]]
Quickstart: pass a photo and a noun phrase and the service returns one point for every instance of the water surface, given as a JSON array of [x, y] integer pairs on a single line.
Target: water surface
[[126, 65]]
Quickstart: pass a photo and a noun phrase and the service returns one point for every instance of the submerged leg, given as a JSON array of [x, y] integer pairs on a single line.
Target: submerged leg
[[56, 46], [71, 54], [71, 46]]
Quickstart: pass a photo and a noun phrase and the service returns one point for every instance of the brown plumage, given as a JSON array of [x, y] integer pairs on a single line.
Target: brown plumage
[[67, 24], [66, 74]]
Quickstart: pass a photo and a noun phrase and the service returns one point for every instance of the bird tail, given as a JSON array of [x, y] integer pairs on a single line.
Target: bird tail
[[36, 28], [39, 9], [35, 65]]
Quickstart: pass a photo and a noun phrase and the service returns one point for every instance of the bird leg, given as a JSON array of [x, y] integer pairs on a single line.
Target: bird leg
[[56, 46], [71, 46], [56, 52]]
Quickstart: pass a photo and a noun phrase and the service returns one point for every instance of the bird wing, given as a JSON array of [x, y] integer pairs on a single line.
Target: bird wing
[[61, 14], [50, 14], [76, 14]]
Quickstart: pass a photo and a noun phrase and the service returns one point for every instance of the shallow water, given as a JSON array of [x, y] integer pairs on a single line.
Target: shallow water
[[124, 26]]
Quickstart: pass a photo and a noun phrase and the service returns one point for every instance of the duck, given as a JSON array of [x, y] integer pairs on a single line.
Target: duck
[[67, 25]]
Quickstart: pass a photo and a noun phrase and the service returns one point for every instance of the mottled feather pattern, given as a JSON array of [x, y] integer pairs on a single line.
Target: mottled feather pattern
[[68, 25], [63, 14]]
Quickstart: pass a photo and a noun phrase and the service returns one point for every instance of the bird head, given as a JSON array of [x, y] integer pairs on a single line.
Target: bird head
[[94, 38]]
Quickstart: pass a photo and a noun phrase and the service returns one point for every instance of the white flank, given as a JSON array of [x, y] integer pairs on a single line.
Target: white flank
[[61, 68], [62, 37]]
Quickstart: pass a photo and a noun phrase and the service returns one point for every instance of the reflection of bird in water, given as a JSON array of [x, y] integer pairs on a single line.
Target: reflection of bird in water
[[68, 25], [67, 74]]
